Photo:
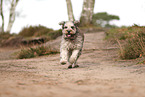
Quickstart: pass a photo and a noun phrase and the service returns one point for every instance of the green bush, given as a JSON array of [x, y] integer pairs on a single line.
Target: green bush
[[36, 51]]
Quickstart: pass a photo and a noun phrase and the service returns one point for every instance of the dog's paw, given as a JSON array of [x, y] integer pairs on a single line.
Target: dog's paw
[[63, 62], [75, 66], [70, 66]]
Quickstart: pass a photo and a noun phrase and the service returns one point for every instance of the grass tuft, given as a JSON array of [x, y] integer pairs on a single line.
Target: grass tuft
[[36, 51], [131, 41]]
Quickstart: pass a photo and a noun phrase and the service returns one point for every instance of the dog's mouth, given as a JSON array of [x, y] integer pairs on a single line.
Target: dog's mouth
[[70, 36]]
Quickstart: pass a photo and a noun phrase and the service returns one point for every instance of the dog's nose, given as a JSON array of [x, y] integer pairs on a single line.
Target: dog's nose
[[68, 31]]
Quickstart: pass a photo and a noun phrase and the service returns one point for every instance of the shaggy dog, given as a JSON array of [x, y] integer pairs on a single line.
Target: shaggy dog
[[71, 43]]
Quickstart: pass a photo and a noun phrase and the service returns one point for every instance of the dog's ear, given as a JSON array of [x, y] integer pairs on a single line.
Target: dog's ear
[[76, 23], [62, 23]]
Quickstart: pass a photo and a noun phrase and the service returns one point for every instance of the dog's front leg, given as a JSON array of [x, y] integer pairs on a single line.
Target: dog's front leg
[[63, 56], [74, 57]]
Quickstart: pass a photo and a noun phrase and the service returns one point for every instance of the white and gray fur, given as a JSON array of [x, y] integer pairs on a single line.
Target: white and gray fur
[[71, 43]]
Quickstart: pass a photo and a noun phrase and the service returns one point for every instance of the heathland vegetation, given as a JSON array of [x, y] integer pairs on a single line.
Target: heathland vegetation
[[131, 40]]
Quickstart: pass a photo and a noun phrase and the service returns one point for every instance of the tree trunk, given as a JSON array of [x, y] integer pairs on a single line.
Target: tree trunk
[[1, 11], [70, 10], [12, 15], [87, 13]]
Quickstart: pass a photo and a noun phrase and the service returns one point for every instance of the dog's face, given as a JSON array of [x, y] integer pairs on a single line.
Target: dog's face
[[69, 28]]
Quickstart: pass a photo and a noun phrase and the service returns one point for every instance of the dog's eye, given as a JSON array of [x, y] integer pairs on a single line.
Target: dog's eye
[[72, 27], [65, 27]]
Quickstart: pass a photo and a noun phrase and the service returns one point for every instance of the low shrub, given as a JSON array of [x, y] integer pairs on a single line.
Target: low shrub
[[39, 31], [31, 35], [134, 46], [34, 31], [54, 34], [36, 51], [4, 37], [131, 41]]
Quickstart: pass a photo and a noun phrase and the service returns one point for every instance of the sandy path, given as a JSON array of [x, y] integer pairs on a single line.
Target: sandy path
[[98, 75]]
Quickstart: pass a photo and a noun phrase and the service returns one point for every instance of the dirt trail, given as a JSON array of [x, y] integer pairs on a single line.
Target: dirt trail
[[98, 75]]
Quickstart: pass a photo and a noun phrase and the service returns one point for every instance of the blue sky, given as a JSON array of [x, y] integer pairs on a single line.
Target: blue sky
[[50, 12]]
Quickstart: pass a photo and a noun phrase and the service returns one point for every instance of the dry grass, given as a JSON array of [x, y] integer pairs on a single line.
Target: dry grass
[[4, 37], [39, 31], [27, 35], [131, 41], [32, 52], [32, 31]]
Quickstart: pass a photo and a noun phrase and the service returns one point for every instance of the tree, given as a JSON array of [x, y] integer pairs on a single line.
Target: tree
[[70, 10], [12, 14], [2, 16], [103, 19], [87, 12]]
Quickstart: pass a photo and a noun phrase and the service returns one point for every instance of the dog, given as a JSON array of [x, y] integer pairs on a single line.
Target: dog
[[71, 43]]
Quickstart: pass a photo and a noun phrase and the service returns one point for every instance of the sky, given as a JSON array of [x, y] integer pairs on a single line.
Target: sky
[[50, 12]]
